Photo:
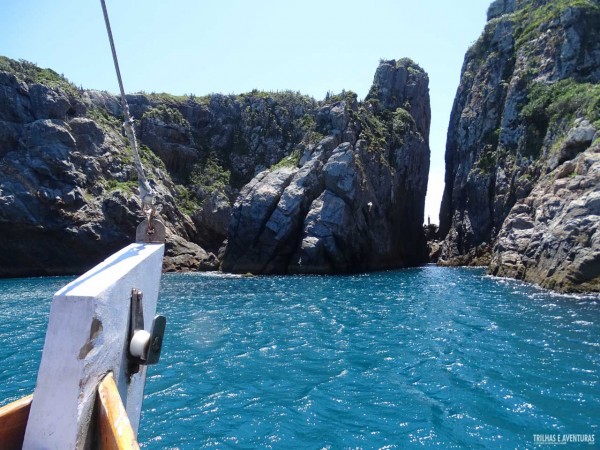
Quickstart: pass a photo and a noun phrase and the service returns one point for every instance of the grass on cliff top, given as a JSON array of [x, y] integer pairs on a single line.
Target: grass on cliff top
[[348, 96], [31, 73], [528, 21], [174, 100], [530, 18], [283, 98]]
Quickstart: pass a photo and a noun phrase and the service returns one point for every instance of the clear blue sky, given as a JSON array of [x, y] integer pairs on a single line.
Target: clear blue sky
[[234, 46]]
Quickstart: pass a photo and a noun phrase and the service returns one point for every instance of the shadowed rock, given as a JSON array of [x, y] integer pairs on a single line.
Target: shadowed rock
[[67, 186]]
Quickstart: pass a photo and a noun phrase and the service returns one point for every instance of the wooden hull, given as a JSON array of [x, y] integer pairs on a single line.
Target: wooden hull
[[13, 420], [112, 428]]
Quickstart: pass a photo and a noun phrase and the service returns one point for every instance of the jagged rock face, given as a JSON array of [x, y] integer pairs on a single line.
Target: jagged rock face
[[531, 77], [209, 147], [67, 186], [395, 86], [244, 132], [214, 145], [355, 200], [552, 237]]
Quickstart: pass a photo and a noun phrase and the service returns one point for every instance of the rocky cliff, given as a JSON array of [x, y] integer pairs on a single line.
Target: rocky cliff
[[68, 189], [352, 201], [525, 112], [552, 237], [67, 182]]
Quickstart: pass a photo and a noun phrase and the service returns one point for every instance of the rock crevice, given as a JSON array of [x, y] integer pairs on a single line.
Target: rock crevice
[[355, 200]]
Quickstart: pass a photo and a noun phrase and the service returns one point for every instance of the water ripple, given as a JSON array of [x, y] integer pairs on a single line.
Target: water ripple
[[420, 358]]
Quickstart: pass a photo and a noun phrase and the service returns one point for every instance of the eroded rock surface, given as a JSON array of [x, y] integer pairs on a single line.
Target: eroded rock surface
[[355, 200], [552, 237], [68, 189]]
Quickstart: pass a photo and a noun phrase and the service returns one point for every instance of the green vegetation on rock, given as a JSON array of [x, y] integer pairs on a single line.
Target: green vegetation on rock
[[401, 122], [374, 130], [166, 114], [170, 99], [481, 47], [347, 96], [186, 200], [210, 176], [488, 159], [565, 99], [149, 159], [103, 118], [129, 187], [555, 106], [530, 18], [387, 128], [288, 161], [31, 73]]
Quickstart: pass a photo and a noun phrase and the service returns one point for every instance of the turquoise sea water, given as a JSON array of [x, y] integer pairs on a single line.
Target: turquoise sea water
[[421, 358]]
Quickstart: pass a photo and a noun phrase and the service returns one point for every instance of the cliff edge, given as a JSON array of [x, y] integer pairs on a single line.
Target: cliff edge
[[521, 143]]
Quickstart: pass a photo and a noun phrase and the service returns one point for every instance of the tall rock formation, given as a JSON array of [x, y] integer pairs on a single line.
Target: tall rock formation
[[352, 201], [552, 237], [527, 104], [68, 189]]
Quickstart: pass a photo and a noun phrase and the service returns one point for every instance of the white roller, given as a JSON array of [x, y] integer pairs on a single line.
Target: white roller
[[139, 344]]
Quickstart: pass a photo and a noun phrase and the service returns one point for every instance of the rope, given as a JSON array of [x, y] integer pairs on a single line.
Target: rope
[[146, 192]]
